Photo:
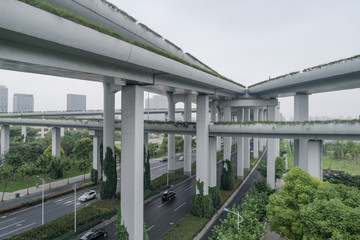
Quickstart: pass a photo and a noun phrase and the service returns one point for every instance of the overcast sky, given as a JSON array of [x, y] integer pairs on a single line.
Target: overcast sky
[[246, 41]]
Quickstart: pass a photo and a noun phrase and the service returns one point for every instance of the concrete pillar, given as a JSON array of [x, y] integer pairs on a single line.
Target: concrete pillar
[[314, 149], [255, 141], [23, 132], [202, 141], [301, 113], [187, 138], [5, 140], [261, 140], [55, 142], [227, 140], [218, 139], [109, 118], [246, 117], [97, 138], [132, 163], [277, 118], [271, 151], [62, 132], [171, 137], [212, 161], [240, 149], [146, 142]]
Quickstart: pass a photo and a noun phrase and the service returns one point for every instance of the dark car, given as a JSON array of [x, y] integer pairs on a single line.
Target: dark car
[[168, 195], [94, 234], [164, 159]]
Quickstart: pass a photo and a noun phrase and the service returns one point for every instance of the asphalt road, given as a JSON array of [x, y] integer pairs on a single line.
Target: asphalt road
[[23, 220]]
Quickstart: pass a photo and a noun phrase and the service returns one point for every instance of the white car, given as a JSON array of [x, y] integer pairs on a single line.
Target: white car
[[181, 158], [87, 196]]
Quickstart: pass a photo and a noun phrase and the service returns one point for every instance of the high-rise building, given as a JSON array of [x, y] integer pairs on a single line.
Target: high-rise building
[[23, 102], [76, 102], [156, 102], [3, 99]]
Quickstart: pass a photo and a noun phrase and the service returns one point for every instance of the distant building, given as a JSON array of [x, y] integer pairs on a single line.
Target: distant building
[[23, 102], [76, 102], [156, 102], [3, 99]]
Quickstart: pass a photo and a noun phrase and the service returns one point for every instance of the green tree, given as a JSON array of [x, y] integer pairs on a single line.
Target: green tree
[[83, 148], [284, 208], [14, 160], [55, 168], [179, 143], [27, 170], [5, 177], [280, 167], [147, 175], [67, 143], [48, 151], [227, 175], [152, 148], [202, 204], [67, 164], [108, 187], [83, 164], [214, 192], [94, 175]]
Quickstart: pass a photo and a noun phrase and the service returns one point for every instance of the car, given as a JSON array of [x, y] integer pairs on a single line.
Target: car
[[164, 159], [94, 234], [87, 196], [168, 195], [181, 158]]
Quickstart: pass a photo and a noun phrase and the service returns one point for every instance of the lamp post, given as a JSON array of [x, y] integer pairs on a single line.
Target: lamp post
[[74, 187], [42, 207], [238, 216]]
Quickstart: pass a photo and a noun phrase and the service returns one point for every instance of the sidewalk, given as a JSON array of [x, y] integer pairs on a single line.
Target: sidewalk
[[9, 197]]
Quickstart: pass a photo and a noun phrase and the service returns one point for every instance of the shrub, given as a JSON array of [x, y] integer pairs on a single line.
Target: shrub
[[227, 175], [94, 175], [202, 204], [214, 192], [108, 187]]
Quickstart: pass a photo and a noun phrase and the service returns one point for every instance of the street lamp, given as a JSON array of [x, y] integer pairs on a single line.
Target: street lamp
[[42, 212], [74, 187], [238, 216]]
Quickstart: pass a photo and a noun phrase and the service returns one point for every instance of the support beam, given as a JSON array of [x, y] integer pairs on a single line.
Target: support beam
[[227, 140], [218, 139], [255, 140], [97, 139], [271, 151], [5, 140], [212, 162], [23, 132], [240, 149], [187, 138], [246, 142], [301, 113], [315, 158], [109, 118], [202, 141], [55, 142], [171, 137], [132, 163], [261, 140]]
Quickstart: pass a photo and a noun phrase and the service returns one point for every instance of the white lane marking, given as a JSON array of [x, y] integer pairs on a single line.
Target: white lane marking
[[187, 188], [12, 224], [150, 228], [3, 216], [180, 206], [68, 202], [60, 200], [8, 220], [163, 204], [18, 229], [160, 166]]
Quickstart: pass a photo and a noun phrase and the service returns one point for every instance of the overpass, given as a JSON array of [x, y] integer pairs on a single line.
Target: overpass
[[36, 41]]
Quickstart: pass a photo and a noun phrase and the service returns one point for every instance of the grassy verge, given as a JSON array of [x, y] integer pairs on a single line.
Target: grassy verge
[[349, 166], [20, 182], [186, 228]]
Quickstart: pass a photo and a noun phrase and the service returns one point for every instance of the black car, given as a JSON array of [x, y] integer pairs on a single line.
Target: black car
[[94, 234], [164, 159], [168, 195]]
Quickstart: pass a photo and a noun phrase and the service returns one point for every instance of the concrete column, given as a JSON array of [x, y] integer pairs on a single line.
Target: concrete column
[[23, 132], [255, 141], [171, 137], [271, 151], [301, 113], [261, 140], [109, 118], [202, 141], [187, 138], [55, 142], [240, 149], [277, 118], [5, 140], [227, 140], [212, 162], [132, 163], [97, 138], [246, 118], [146, 142], [315, 158], [218, 139], [62, 132]]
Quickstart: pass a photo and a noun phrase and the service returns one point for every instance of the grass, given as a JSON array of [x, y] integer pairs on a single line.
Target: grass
[[186, 228], [349, 166], [20, 182]]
